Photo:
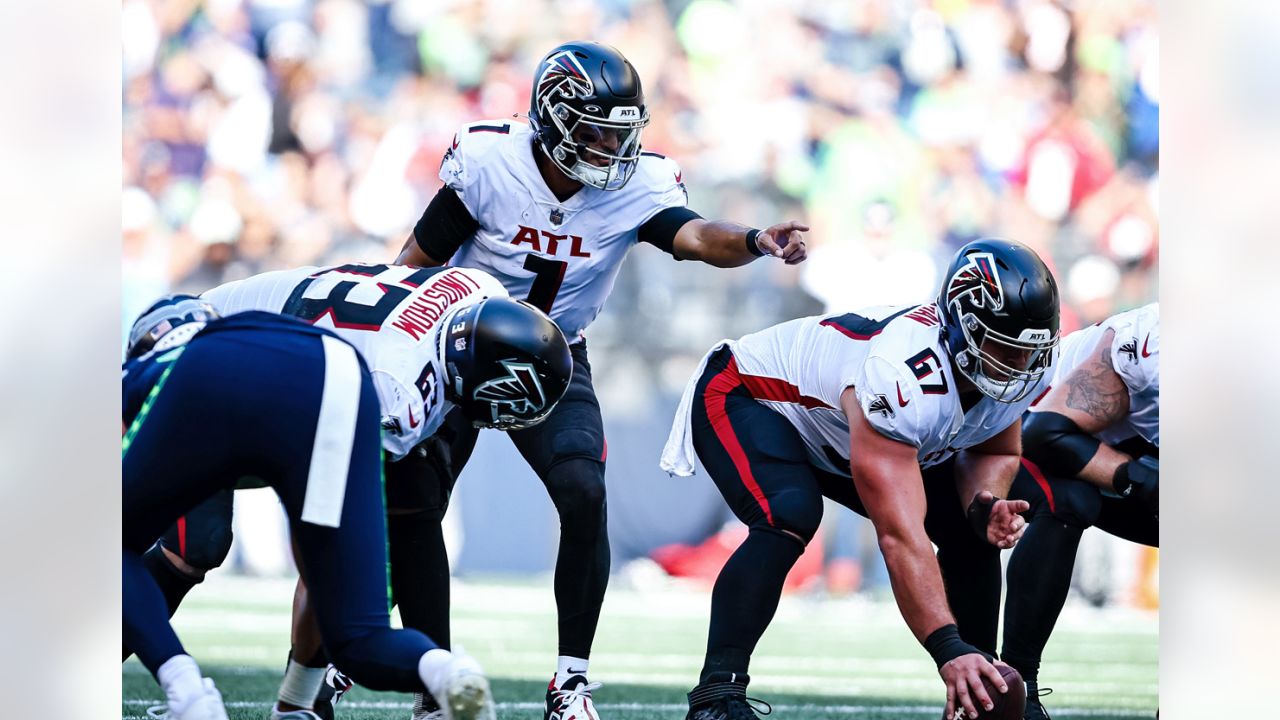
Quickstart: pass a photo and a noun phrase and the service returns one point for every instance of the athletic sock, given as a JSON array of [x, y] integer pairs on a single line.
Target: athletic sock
[[301, 684], [567, 667]]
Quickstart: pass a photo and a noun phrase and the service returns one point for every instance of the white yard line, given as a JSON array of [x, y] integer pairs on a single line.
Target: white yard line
[[847, 710]]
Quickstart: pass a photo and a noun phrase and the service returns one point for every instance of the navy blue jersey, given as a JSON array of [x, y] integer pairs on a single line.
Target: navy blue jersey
[[140, 375]]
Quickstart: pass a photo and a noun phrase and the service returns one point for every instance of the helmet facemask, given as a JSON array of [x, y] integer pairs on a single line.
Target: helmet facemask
[[1003, 368], [598, 151]]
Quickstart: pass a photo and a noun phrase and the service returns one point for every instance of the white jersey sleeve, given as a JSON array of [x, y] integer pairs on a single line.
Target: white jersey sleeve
[[662, 186], [882, 388], [470, 163], [1135, 349]]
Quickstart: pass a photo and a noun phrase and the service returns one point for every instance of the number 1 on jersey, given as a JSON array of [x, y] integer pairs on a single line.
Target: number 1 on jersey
[[547, 276]]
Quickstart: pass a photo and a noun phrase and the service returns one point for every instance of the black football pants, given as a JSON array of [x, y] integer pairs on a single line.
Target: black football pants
[[761, 466]]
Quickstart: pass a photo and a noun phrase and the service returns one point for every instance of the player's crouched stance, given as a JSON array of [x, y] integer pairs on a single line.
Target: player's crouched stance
[[258, 394], [921, 405]]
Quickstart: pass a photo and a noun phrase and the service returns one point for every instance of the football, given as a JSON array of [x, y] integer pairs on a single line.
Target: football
[[1008, 706]]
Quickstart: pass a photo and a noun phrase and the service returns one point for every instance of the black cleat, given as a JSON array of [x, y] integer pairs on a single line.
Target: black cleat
[[1035, 710], [724, 697]]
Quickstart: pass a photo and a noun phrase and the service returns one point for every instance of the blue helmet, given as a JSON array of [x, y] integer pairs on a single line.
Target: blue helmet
[[165, 315]]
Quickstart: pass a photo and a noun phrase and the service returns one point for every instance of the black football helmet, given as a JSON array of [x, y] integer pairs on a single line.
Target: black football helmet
[[167, 314], [508, 364], [587, 107], [999, 310]]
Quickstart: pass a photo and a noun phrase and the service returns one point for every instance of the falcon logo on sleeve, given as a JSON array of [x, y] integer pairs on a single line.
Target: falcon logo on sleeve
[[1131, 349], [979, 280], [519, 389], [880, 405]]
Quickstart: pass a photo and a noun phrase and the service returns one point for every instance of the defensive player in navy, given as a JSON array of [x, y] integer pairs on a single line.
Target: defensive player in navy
[[551, 209], [423, 332], [294, 406], [907, 415], [1091, 458]]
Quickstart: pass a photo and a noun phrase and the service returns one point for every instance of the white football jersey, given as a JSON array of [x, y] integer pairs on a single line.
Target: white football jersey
[[559, 255], [894, 358], [1135, 355], [391, 314]]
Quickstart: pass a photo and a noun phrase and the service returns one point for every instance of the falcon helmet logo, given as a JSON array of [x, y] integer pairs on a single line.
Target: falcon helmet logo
[[978, 280], [564, 73], [518, 394]]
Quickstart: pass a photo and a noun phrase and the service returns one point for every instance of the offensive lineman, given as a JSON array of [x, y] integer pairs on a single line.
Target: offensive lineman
[[435, 339], [550, 209], [296, 407], [1091, 448], [921, 406]]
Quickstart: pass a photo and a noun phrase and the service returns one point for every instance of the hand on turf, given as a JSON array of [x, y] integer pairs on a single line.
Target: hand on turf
[[1005, 526], [784, 241], [965, 692]]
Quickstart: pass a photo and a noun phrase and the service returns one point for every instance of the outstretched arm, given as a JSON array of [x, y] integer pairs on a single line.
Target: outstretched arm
[[887, 476], [728, 244]]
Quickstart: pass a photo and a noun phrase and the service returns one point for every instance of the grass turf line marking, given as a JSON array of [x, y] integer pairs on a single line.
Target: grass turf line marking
[[676, 707]]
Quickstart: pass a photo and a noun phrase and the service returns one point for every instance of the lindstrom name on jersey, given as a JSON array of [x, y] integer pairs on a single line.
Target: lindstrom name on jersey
[[1135, 356], [892, 356], [527, 237], [392, 314]]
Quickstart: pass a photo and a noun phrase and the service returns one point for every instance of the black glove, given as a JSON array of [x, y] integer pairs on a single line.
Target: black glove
[[1140, 480]]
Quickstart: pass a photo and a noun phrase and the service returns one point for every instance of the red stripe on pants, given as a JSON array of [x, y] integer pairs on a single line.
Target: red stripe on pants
[[725, 382], [182, 537], [1040, 480]]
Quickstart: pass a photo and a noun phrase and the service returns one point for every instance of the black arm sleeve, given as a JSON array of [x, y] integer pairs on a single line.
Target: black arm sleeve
[[444, 225], [1055, 443], [660, 230]]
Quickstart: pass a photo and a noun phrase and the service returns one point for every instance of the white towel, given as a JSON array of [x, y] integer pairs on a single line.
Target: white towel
[[678, 457]]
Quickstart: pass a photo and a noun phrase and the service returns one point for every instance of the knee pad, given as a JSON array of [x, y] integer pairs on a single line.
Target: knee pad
[[796, 513], [1076, 503], [577, 488]]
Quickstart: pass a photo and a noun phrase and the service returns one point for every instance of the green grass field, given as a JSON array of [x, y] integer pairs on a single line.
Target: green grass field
[[821, 658]]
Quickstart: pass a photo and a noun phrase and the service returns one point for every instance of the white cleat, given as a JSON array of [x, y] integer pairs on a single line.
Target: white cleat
[[466, 693], [206, 706], [572, 701]]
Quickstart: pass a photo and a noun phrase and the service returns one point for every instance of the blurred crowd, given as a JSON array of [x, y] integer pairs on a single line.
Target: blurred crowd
[[264, 134]]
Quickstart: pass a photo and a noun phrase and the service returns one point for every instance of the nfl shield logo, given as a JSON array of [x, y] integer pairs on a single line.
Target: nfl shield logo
[[557, 216]]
